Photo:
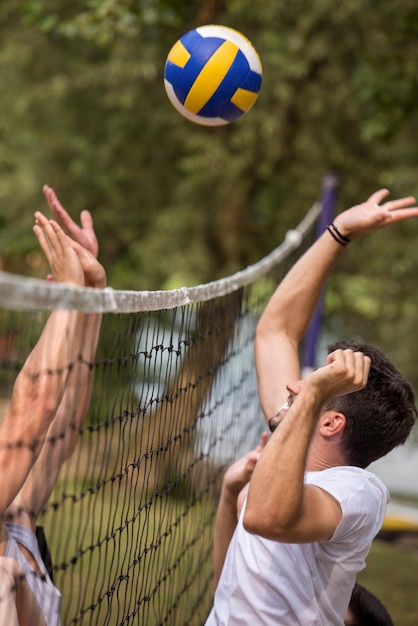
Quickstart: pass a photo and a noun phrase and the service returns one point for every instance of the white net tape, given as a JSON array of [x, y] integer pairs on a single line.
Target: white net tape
[[17, 292]]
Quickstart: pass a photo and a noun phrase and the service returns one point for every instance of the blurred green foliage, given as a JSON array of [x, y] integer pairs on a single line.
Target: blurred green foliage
[[83, 109]]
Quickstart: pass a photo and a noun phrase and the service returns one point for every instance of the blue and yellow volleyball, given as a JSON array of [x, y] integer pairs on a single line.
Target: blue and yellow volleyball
[[213, 75]]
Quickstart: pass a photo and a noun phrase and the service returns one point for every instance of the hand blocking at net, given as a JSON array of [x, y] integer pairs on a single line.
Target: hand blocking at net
[[70, 262], [85, 234], [372, 215], [47, 409]]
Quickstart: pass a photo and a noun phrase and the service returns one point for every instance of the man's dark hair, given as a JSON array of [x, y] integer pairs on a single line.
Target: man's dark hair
[[367, 610], [378, 417]]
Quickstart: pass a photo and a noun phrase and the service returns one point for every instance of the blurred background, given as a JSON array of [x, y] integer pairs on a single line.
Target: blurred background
[[83, 109]]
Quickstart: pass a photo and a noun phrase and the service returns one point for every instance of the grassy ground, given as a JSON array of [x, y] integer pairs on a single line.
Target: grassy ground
[[392, 575]]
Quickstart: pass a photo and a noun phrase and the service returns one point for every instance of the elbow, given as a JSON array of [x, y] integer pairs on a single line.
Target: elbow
[[251, 522], [268, 525], [262, 330], [259, 522], [271, 321]]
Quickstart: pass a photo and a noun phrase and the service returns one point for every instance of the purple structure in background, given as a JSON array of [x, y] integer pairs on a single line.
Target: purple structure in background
[[328, 200]]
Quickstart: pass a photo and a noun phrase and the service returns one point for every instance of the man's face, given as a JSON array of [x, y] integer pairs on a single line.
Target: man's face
[[293, 389]]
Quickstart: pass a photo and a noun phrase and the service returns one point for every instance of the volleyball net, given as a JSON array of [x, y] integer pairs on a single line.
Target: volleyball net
[[149, 421]]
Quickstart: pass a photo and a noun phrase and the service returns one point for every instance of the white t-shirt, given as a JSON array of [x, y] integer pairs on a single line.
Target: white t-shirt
[[268, 583], [47, 595]]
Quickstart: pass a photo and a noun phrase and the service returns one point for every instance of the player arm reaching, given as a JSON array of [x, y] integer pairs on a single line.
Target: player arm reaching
[[48, 404], [235, 482], [40, 386], [287, 316], [280, 506], [63, 431], [288, 510]]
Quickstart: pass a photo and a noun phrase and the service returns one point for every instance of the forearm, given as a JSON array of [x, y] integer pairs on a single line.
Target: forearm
[[275, 498], [36, 396], [293, 303], [226, 521], [40, 385], [74, 405], [285, 320], [234, 489], [64, 430], [54, 346], [78, 391]]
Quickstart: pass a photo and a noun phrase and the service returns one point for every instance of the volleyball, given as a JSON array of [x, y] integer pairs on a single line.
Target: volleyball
[[213, 75]]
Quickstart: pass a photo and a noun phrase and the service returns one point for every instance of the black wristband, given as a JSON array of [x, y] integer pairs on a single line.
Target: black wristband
[[337, 232], [335, 238]]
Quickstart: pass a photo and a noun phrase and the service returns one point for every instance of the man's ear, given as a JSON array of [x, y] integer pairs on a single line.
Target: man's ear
[[331, 423]]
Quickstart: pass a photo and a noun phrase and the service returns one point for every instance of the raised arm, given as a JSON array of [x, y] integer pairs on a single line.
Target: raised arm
[[70, 415], [235, 481], [287, 316], [280, 506], [40, 386]]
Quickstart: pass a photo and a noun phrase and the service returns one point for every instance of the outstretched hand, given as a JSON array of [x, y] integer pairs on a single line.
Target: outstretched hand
[[69, 261], [372, 215], [85, 235], [94, 273], [61, 256]]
